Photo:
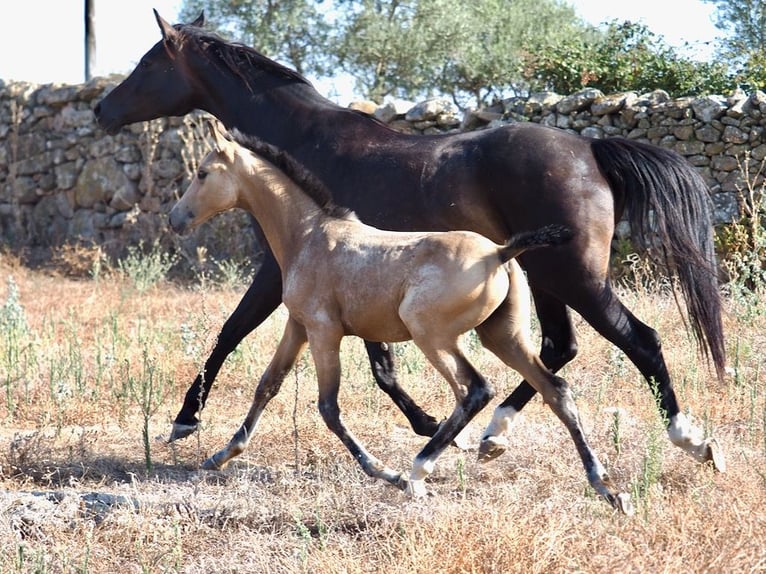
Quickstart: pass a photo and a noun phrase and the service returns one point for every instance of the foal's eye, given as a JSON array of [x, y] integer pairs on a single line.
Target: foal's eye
[[201, 174]]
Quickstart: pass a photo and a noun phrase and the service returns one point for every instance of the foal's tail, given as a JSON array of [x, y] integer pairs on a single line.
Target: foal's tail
[[668, 202], [547, 236]]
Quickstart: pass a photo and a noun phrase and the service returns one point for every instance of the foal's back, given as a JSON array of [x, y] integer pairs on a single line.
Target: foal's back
[[380, 284]]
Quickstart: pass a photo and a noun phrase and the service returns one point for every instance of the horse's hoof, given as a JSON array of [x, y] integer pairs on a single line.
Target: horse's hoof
[[416, 489], [714, 454], [180, 431], [463, 439], [623, 503], [491, 447], [211, 464]]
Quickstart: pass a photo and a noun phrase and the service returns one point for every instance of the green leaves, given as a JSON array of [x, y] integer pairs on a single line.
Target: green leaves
[[474, 52]]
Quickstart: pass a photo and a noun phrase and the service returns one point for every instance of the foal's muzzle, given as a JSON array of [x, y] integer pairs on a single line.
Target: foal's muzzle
[[179, 220]]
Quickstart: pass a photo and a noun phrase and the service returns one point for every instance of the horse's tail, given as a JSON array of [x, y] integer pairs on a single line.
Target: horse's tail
[[667, 200], [549, 235]]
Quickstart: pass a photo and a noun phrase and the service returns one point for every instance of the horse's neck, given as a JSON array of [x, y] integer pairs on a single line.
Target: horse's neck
[[282, 116], [285, 213]]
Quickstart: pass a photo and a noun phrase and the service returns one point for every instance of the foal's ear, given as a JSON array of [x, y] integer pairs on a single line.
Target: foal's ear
[[168, 32], [216, 135], [200, 21]]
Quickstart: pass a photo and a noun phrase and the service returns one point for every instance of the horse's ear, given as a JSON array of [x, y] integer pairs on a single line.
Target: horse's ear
[[168, 32], [200, 21]]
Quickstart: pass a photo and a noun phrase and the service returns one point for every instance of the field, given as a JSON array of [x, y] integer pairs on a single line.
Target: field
[[93, 370]]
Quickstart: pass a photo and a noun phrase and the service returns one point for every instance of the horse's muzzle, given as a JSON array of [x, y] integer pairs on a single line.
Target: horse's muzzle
[[109, 125]]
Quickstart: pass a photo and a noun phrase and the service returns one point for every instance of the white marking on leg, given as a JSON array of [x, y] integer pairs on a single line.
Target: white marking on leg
[[493, 442], [691, 438], [501, 422], [421, 468]]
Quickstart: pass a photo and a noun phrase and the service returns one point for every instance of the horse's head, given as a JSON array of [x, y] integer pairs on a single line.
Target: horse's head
[[214, 189], [157, 87]]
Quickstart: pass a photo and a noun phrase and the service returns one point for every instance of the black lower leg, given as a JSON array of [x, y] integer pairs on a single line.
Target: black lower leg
[[383, 369]]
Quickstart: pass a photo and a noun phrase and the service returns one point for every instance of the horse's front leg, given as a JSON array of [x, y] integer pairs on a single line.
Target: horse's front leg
[[383, 369], [262, 297], [325, 349], [291, 345]]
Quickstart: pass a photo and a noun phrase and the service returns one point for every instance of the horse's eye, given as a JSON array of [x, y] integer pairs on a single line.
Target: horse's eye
[[201, 174]]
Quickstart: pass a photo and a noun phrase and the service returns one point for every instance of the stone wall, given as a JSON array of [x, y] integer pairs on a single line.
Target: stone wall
[[65, 181]]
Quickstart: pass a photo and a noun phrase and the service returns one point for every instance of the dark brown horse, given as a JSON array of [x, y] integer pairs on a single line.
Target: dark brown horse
[[497, 182], [429, 287]]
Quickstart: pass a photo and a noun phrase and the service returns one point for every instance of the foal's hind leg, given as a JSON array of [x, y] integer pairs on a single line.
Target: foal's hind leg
[[514, 349], [291, 345], [559, 346]]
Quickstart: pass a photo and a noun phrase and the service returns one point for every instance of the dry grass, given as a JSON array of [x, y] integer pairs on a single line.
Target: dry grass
[[77, 497]]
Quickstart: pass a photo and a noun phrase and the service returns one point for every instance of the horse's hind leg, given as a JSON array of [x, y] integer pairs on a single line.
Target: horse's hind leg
[[291, 345], [606, 313], [382, 363]]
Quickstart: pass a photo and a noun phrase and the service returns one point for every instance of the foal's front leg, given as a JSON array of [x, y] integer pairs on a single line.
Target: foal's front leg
[[325, 349], [290, 347]]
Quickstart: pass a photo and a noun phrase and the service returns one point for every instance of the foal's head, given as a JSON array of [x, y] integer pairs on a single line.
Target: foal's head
[[216, 186]]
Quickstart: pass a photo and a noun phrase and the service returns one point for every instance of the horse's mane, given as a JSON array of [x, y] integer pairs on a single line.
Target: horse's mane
[[296, 171], [236, 57]]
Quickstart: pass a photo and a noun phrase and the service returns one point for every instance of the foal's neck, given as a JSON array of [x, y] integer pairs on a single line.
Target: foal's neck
[[285, 213]]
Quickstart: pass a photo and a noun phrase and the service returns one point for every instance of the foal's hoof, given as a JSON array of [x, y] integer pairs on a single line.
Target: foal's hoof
[[180, 431], [714, 454], [491, 447]]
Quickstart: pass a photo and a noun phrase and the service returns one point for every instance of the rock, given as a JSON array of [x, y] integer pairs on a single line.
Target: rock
[[366, 106], [578, 101], [431, 109]]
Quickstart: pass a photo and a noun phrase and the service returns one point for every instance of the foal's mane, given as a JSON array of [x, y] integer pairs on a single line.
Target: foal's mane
[[237, 58], [295, 171]]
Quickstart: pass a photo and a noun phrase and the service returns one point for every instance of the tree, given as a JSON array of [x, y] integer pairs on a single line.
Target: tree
[[625, 56], [469, 51], [474, 52], [744, 45]]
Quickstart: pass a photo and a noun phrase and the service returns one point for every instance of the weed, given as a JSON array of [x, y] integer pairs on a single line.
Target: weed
[[461, 475], [16, 344], [146, 268], [616, 431], [148, 391], [743, 243]]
